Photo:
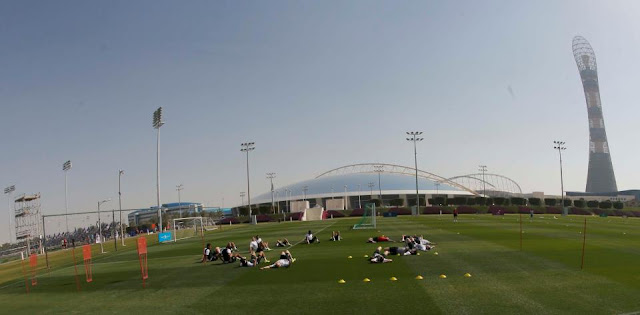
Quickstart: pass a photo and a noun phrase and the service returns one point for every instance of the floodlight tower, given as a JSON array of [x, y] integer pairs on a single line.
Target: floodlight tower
[[9, 191], [157, 123], [600, 175], [66, 167], [304, 190], [414, 138], [242, 194], [559, 145], [271, 176], [371, 185], [120, 173], [483, 169], [379, 169], [179, 188], [248, 147]]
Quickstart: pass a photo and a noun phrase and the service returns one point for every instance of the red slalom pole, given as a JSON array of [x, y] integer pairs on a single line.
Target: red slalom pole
[[520, 231], [584, 240]]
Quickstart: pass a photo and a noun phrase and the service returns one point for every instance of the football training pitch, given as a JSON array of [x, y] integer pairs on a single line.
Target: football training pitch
[[542, 278]]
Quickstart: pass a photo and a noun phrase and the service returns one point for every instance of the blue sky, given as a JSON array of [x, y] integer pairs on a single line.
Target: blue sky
[[316, 85]]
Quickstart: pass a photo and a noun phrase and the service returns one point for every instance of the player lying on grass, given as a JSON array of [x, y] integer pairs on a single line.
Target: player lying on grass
[[283, 243], [310, 238], [381, 238], [335, 236], [285, 261], [253, 260], [378, 257], [401, 251], [227, 253], [417, 242]]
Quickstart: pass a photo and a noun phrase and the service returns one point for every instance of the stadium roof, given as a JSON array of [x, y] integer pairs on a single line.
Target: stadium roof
[[391, 184]]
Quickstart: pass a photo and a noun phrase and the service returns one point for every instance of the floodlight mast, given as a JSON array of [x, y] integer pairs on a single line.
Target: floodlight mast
[[179, 188], [483, 169], [559, 145], [157, 123], [371, 185], [120, 173], [9, 191], [414, 138], [66, 167], [379, 169], [271, 176], [247, 147], [359, 201]]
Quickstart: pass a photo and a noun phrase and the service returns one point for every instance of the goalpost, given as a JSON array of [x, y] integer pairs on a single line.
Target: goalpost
[[184, 228], [368, 220]]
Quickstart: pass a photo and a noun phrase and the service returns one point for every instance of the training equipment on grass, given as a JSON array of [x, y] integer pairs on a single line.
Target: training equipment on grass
[[86, 256], [443, 276], [467, 275], [419, 277], [393, 279], [185, 228], [436, 253], [366, 280], [33, 263], [368, 220], [341, 281], [142, 257], [350, 257]]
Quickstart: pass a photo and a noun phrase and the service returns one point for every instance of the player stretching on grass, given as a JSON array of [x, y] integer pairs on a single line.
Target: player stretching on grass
[[283, 243], [285, 261], [310, 238]]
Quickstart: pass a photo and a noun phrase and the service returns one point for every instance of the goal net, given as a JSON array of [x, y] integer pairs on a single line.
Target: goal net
[[184, 228], [209, 224], [368, 220]]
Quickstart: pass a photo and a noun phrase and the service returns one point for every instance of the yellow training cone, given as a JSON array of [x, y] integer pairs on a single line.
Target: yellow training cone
[[393, 279], [436, 253], [350, 257], [419, 277], [468, 275], [341, 281], [366, 280], [366, 256], [443, 276], [418, 254]]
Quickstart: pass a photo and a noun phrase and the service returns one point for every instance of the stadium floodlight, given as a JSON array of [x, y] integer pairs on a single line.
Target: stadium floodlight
[[559, 145], [346, 198], [483, 169], [100, 224], [120, 173], [271, 176], [248, 147], [379, 169], [287, 195], [179, 188], [157, 123], [66, 166], [242, 194], [304, 191], [371, 185], [8, 191], [359, 201], [437, 189], [414, 138]]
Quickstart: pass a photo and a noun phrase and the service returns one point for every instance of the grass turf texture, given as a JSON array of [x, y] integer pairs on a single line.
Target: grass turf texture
[[543, 278]]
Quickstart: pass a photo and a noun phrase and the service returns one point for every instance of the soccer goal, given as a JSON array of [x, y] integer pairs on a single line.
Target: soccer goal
[[184, 228], [209, 224], [368, 220]]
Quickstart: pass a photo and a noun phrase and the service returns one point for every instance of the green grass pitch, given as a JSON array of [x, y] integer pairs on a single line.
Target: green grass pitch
[[542, 278]]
